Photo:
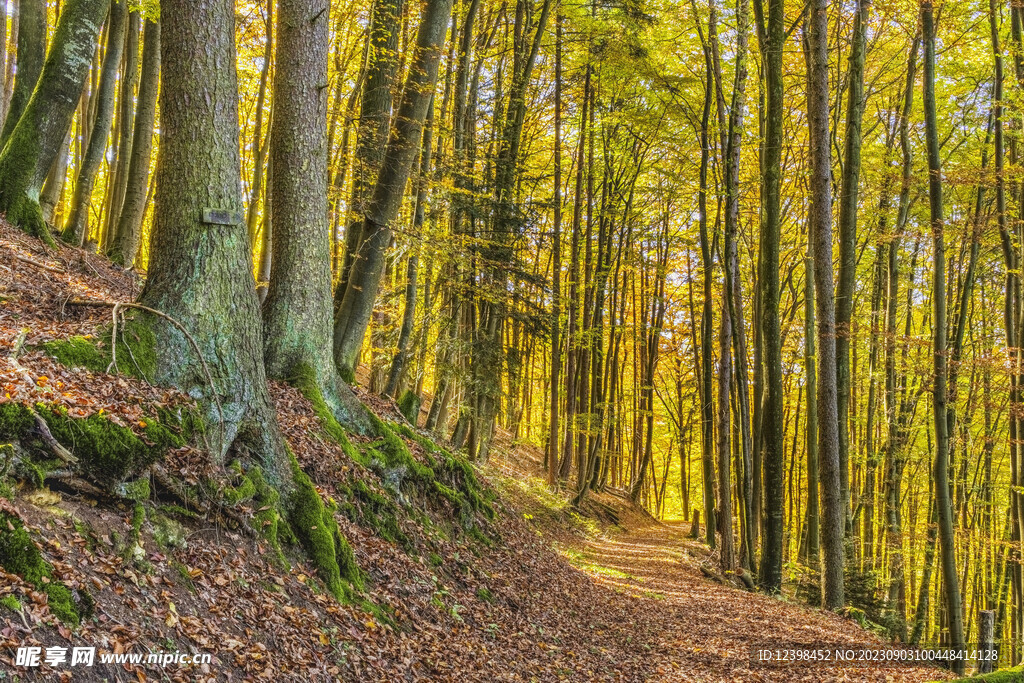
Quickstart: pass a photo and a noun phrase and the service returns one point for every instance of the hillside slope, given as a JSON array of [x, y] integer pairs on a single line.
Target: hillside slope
[[537, 592]]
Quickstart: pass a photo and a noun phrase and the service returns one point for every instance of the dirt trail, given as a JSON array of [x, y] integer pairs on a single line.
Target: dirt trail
[[704, 631]]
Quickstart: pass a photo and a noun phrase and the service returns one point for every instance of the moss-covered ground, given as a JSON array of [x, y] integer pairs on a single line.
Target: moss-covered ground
[[19, 555]]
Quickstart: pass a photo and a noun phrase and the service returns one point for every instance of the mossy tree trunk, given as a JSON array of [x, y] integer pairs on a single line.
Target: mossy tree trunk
[[30, 58], [297, 310], [76, 230], [200, 263], [36, 140], [125, 246], [354, 308], [201, 272]]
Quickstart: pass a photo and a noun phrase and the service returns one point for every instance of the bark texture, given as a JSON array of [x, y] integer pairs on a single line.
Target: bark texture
[[297, 310]]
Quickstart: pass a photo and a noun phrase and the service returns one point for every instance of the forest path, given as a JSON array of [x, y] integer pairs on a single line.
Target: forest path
[[705, 631]]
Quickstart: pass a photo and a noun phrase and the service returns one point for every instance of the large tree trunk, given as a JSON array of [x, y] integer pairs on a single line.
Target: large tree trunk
[[353, 310], [125, 247], [297, 310], [31, 56], [821, 235], [940, 472], [201, 271], [36, 140], [76, 230], [200, 262]]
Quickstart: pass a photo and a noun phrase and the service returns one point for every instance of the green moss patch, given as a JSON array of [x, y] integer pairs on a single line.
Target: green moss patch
[[253, 488], [19, 555], [409, 405], [136, 350], [109, 452], [315, 527], [455, 474], [15, 420], [1014, 675], [366, 507], [10, 602]]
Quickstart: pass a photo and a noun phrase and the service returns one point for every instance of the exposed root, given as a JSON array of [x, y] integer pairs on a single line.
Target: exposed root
[[181, 328]]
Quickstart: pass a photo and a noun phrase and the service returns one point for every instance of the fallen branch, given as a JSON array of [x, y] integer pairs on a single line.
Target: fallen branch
[[113, 340], [44, 431], [69, 480], [38, 264], [19, 344]]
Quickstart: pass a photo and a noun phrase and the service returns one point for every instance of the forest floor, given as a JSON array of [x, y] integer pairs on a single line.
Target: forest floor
[[540, 593]]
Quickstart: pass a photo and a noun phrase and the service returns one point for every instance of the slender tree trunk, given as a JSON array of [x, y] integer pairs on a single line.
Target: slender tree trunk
[[556, 268], [374, 124], [398, 363], [848, 238], [129, 228], [821, 231], [53, 187], [773, 459], [31, 55], [125, 127], [76, 230], [707, 424], [947, 546], [724, 518], [811, 437], [260, 145], [353, 311]]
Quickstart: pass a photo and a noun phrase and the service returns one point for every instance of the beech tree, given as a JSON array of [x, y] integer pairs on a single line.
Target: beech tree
[[77, 228], [355, 306], [31, 53], [832, 504], [125, 243]]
